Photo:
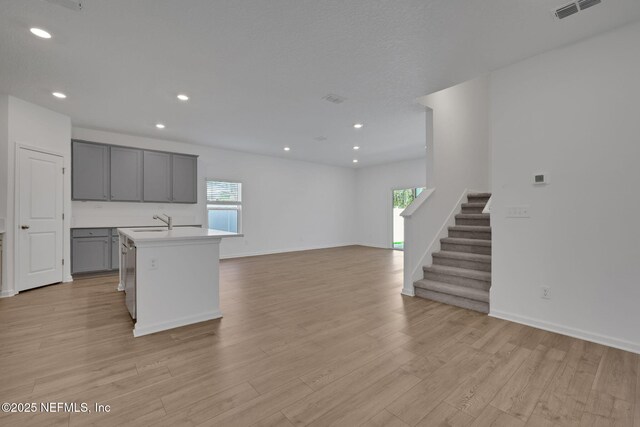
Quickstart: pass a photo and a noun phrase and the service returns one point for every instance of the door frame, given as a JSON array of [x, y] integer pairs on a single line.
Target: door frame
[[16, 209]]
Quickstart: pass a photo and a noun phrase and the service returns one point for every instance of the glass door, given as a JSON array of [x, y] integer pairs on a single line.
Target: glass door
[[400, 200]]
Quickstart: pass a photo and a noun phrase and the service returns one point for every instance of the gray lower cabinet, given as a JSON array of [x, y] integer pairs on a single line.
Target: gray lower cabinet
[[157, 177], [184, 178], [90, 170], [94, 249], [126, 174], [90, 254]]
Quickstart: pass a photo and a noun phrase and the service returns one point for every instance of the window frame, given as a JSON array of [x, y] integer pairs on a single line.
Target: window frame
[[225, 205]]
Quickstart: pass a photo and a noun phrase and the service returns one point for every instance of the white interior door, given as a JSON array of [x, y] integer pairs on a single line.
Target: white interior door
[[40, 228]]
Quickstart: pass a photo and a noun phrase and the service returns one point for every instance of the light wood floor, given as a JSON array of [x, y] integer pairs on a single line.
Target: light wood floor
[[309, 338]]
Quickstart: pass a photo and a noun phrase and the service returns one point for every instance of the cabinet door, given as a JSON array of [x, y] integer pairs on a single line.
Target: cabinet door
[[126, 174], [90, 171], [157, 177], [184, 178], [90, 254], [115, 253]]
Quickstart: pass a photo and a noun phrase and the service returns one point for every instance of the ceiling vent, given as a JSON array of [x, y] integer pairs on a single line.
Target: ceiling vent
[[566, 11], [334, 99], [586, 4], [575, 7], [69, 4]]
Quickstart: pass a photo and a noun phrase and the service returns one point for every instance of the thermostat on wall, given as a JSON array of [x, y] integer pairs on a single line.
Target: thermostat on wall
[[540, 179]]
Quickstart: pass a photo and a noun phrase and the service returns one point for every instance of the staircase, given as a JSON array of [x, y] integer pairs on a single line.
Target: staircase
[[461, 272]]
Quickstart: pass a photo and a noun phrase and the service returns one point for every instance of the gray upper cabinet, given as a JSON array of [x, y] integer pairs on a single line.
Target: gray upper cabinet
[[90, 163], [123, 174], [157, 177], [184, 178], [126, 174]]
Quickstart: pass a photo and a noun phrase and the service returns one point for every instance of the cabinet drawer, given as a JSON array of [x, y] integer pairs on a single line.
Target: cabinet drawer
[[90, 232]]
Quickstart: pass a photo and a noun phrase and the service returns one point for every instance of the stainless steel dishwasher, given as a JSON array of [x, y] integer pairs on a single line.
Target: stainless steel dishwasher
[[129, 251]]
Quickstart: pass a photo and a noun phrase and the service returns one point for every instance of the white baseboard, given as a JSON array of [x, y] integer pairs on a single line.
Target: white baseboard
[[67, 279], [139, 331], [7, 293], [408, 292], [280, 251], [566, 330]]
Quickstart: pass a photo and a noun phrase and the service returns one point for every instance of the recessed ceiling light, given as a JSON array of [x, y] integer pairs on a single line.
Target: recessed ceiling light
[[39, 32], [287, 149], [356, 147], [160, 126], [355, 160], [59, 95], [358, 125], [183, 97]]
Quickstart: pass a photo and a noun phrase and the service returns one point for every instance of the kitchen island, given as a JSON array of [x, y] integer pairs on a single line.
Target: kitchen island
[[171, 277]]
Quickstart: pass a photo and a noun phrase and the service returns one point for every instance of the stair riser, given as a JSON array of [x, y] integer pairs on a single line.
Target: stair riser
[[457, 280], [477, 199], [482, 235], [483, 222], [482, 307], [460, 263], [469, 249], [472, 210]]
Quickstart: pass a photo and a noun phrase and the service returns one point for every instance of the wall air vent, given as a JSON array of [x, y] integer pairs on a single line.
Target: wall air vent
[[335, 99], [586, 4], [575, 7], [566, 11]]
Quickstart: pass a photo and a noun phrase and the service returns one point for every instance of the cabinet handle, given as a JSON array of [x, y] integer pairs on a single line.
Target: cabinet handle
[[25, 227]]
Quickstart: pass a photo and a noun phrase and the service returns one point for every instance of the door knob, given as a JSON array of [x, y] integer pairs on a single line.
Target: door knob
[[25, 227]]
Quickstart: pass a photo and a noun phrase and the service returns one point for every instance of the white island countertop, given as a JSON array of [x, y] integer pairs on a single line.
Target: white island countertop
[[181, 233]]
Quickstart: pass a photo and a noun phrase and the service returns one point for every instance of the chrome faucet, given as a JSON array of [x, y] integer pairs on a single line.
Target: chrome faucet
[[168, 221]]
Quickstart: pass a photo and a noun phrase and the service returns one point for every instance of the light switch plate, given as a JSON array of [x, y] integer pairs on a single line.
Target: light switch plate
[[518, 212]]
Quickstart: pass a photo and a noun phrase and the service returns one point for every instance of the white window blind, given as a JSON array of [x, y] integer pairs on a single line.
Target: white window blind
[[224, 205], [220, 191]]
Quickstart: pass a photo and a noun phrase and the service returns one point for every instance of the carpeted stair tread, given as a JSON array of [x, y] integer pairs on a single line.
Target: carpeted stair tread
[[478, 228], [462, 272], [473, 216], [464, 256], [474, 205], [470, 242], [456, 290], [469, 304]]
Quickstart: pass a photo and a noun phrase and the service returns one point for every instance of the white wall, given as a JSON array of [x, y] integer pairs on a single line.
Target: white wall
[[374, 185], [30, 125], [459, 155], [288, 205], [574, 114]]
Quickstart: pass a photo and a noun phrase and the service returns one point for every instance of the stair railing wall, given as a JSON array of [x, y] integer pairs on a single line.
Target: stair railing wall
[[423, 228]]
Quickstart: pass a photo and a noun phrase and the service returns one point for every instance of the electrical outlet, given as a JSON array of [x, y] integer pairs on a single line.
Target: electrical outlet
[[153, 264], [545, 292], [518, 212]]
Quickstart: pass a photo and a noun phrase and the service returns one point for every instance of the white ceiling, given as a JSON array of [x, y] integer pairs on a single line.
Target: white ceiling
[[256, 70]]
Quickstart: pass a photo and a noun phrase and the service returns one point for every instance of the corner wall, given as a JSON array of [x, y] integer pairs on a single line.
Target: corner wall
[[33, 126], [573, 114]]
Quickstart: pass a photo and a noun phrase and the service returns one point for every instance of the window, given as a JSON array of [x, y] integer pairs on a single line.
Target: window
[[224, 205]]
